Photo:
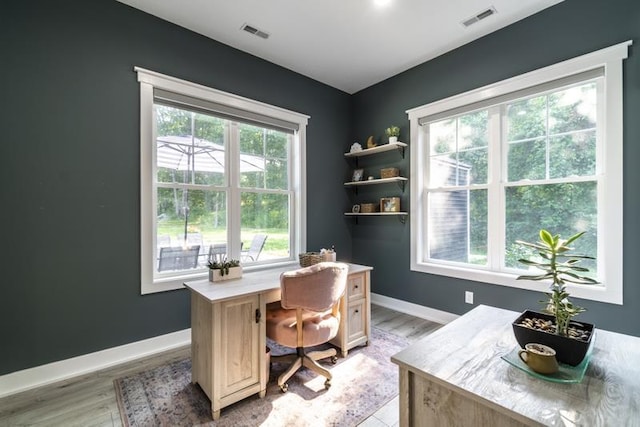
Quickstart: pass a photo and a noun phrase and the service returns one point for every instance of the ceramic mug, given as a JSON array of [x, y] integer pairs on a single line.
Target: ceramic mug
[[539, 358]]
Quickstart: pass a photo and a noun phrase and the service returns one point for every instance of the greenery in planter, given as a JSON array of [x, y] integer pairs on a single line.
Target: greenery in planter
[[392, 131], [561, 267], [224, 265]]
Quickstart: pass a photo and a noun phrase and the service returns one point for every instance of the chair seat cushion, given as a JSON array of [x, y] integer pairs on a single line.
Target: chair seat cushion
[[318, 328]]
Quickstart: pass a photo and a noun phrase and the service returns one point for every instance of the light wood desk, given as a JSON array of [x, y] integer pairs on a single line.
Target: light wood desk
[[228, 331], [455, 377]]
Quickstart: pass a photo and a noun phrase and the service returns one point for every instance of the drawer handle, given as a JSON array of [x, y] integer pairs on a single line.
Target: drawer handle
[[356, 311], [356, 286]]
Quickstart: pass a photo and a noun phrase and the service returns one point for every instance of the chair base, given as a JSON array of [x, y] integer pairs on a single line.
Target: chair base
[[308, 360]]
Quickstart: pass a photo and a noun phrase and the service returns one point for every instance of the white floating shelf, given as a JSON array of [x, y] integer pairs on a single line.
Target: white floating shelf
[[376, 181], [377, 214], [379, 149]]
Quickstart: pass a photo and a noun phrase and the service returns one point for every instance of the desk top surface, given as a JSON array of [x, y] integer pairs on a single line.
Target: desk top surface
[[464, 356], [250, 283]]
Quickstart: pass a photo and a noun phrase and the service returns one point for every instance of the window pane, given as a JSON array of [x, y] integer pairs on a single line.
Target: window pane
[[573, 109], [459, 150], [189, 218], [268, 215], [458, 226], [472, 130], [478, 232], [563, 209], [526, 119], [473, 146], [263, 158], [564, 148], [442, 137], [473, 166], [189, 147], [443, 171], [572, 154], [527, 160]]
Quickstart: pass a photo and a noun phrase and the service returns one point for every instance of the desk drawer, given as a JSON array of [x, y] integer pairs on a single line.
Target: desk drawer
[[356, 318], [356, 286]]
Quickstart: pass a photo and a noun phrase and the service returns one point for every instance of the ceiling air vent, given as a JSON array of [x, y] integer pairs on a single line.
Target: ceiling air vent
[[253, 30], [479, 16]]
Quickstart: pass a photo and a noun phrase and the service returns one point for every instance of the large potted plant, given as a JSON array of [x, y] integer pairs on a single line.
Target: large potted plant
[[555, 327]]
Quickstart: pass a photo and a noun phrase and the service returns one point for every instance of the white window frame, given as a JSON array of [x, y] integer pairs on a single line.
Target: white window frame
[[297, 171], [610, 197]]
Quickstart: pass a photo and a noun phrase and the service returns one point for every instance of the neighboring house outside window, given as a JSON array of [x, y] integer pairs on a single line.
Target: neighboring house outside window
[[221, 178], [497, 164]]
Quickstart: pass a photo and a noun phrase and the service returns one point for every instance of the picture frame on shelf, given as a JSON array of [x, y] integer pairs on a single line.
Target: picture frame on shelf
[[358, 174], [390, 204]]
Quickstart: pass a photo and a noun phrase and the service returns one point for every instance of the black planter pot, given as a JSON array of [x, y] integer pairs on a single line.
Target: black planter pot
[[568, 350]]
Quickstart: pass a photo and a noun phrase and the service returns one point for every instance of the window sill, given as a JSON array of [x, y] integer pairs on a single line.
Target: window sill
[[590, 292], [177, 282]]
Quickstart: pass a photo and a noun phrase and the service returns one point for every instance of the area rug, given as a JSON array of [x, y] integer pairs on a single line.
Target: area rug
[[362, 383]]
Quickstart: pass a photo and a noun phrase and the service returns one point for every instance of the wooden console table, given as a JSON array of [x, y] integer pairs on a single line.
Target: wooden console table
[[455, 377], [228, 331]]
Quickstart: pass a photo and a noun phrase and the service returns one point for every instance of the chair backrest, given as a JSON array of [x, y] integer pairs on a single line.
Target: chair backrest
[[257, 243], [217, 252], [178, 258], [316, 288]]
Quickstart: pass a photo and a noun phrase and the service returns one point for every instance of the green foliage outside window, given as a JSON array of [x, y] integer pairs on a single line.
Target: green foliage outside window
[[204, 211], [552, 136]]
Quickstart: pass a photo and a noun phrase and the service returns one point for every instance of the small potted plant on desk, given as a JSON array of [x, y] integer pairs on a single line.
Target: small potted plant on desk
[[554, 327], [224, 270], [392, 132]]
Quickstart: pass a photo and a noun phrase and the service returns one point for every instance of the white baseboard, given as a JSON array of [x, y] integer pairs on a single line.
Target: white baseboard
[[27, 379], [416, 310]]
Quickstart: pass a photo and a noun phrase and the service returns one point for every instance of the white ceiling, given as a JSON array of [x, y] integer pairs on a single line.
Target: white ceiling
[[347, 44]]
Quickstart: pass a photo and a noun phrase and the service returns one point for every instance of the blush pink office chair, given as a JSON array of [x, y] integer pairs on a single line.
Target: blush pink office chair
[[307, 315]]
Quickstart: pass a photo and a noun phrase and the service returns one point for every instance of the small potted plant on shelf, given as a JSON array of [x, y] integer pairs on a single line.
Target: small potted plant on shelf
[[224, 270], [392, 132], [554, 326]]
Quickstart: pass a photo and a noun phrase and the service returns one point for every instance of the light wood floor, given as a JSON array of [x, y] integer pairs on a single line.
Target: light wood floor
[[90, 400]]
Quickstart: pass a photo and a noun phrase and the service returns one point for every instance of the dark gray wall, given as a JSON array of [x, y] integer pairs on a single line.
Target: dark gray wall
[[70, 169], [566, 30], [70, 162]]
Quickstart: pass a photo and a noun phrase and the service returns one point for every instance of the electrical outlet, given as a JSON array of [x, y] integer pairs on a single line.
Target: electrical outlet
[[468, 297]]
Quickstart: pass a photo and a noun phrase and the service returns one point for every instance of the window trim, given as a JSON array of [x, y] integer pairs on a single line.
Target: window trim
[[148, 81], [610, 195]]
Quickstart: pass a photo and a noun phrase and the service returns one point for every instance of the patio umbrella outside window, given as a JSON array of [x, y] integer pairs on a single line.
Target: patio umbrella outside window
[[189, 155], [186, 153]]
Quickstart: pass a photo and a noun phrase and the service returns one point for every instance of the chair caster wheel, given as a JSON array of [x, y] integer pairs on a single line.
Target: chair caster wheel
[[334, 359], [284, 387], [327, 384]]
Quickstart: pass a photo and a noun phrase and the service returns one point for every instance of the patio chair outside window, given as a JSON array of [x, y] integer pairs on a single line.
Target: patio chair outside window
[[178, 258], [257, 243], [217, 252]]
